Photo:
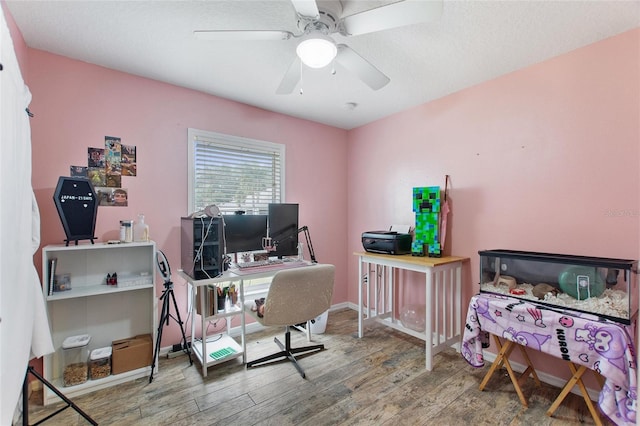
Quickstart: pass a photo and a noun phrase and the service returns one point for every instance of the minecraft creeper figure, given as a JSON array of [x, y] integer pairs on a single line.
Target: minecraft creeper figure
[[426, 206]]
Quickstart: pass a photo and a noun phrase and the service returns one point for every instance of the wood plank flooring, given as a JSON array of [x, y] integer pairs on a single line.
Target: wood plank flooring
[[377, 380]]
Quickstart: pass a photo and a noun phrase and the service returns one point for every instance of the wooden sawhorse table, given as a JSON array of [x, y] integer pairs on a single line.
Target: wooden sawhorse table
[[502, 358], [577, 371], [576, 379], [570, 341]]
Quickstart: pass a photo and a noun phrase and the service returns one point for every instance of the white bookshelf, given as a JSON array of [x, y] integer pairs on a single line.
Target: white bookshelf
[[105, 312]]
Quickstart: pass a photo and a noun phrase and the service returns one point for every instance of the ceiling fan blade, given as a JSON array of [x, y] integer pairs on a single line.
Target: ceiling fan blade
[[306, 8], [355, 63], [393, 15], [291, 78], [252, 35]]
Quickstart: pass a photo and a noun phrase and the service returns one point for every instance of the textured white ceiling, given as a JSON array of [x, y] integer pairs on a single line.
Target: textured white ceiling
[[472, 42]]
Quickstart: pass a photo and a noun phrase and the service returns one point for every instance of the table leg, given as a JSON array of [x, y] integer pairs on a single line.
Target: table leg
[[429, 321], [576, 379], [497, 363], [458, 304], [530, 370], [203, 314], [243, 323], [503, 359], [360, 307]]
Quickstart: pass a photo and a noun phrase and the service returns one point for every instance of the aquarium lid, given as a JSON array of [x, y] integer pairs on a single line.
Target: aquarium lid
[[601, 262]]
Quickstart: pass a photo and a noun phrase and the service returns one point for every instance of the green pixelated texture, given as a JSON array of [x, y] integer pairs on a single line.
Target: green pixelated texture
[[426, 205], [426, 199]]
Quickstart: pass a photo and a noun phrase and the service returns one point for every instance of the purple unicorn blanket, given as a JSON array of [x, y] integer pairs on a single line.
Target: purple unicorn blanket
[[603, 346]]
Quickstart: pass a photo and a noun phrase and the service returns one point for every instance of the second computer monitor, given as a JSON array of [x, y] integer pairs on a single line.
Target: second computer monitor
[[283, 228], [244, 232]]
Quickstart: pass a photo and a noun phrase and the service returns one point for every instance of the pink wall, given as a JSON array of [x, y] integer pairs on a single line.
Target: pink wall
[[543, 159], [77, 104]]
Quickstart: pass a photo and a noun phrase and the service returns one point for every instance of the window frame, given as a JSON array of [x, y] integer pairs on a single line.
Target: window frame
[[223, 140]]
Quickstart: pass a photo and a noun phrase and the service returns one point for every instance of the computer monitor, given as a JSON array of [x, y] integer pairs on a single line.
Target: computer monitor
[[244, 232], [283, 228]]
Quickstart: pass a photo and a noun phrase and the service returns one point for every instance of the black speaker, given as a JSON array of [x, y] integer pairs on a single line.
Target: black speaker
[[202, 251], [77, 206]]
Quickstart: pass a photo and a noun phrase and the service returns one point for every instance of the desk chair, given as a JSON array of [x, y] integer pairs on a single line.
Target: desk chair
[[295, 296]]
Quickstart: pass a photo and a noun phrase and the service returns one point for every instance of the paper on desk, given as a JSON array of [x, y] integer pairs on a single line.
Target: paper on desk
[[401, 229]]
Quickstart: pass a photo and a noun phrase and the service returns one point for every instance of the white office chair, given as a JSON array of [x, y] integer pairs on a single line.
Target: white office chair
[[295, 297]]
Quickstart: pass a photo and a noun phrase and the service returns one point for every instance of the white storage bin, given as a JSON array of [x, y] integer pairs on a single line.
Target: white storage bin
[[100, 363], [76, 355], [320, 323]]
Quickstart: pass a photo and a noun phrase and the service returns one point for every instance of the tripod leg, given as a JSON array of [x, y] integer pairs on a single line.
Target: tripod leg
[[69, 403], [184, 337], [163, 317], [25, 399]]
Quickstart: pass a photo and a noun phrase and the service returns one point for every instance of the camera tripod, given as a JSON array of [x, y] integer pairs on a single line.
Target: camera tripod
[[167, 298], [25, 400]]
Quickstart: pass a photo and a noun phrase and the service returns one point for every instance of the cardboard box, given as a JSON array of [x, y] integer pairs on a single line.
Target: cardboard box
[[131, 353]]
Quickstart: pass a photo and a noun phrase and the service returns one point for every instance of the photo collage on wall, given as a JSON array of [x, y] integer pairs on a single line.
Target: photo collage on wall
[[105, 168]]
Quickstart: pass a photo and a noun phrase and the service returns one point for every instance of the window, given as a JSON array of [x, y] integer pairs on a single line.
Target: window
[[234, 173]]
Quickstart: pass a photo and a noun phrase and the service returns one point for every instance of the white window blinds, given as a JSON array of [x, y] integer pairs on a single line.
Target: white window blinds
[[234, 173]]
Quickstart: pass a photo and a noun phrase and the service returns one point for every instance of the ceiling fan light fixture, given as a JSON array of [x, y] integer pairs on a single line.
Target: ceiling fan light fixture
[[316, 50]]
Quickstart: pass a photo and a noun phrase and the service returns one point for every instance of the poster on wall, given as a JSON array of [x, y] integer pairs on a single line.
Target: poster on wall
[[128, 160], [113, 156], [105, 168], [97, 176], [78, 171], [113, 181], [117, 197], [95, 157]]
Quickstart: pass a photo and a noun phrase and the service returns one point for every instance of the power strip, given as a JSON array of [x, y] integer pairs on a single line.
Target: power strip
[[175, 354], [177, 350]]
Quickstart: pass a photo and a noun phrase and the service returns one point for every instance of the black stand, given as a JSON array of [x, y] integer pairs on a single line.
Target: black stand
[[287, 351], [66, 242], [304, 229], [25, 400], [164, 318]]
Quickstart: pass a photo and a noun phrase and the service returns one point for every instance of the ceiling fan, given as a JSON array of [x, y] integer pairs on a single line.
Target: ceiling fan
[[318, 20]]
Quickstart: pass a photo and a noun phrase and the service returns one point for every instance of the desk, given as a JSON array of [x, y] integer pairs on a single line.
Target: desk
[[582, 340], [208, 346], [443, 282]]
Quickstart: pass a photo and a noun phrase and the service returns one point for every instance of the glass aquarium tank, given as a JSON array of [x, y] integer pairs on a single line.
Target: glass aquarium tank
[[605, 287]]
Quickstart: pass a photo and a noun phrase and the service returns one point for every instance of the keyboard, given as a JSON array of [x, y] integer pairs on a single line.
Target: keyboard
[[257, 263], [267, 267]]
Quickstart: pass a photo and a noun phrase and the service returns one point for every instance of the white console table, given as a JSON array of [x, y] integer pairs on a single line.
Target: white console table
[[205, 346], [443, 316]]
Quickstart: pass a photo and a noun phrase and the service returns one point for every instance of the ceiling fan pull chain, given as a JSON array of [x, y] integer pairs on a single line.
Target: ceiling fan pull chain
[[301, 78]]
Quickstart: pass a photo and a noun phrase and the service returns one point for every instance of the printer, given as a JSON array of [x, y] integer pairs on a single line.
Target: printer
[[387, 242]]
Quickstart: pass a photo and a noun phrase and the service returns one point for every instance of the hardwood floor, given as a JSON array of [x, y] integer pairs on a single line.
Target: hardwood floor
[[377, 380]]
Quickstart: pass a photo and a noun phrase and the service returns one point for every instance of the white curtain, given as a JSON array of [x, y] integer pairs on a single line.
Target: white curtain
[[24, 329]]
